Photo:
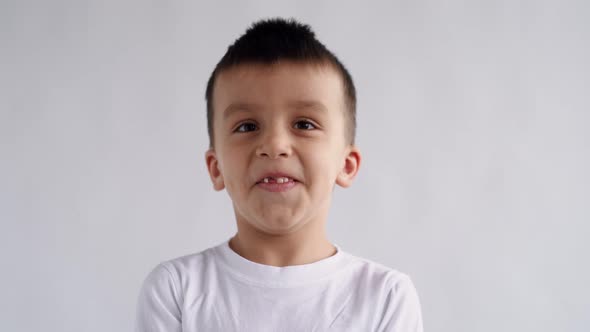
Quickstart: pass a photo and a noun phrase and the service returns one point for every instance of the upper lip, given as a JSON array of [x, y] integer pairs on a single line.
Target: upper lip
[[276, 175]]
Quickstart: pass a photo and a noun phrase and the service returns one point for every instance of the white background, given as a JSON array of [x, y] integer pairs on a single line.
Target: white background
[[473, 121]]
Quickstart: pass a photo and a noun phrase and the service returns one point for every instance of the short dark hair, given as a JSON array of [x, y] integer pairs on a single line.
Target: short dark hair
[[270, 40]]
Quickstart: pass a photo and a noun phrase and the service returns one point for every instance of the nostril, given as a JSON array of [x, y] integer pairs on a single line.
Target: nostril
[[273, 156], [273, 149]]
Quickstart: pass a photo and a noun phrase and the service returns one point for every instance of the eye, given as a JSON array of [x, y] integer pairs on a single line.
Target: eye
[[245, 127], [304, 124]]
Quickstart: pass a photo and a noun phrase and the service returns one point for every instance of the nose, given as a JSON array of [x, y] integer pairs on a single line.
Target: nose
[[274, 144]]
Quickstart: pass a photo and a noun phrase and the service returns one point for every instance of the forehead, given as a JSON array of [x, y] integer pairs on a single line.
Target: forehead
[[278, 85]]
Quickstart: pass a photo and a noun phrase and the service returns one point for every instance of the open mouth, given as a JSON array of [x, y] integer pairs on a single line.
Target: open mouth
[[279, 180], [276, 183]]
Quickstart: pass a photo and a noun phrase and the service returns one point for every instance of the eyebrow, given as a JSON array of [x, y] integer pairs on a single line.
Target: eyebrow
[[297, 104], [311, 104], [238, 107]]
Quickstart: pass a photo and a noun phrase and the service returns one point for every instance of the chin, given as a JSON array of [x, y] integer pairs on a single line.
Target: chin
[[279, 226]]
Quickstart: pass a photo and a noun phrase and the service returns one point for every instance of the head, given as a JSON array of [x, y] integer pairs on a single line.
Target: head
[[274, 41], [281, 123]]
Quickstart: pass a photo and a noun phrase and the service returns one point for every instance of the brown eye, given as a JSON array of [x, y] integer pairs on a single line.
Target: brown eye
[[245, 127], [305, 125]]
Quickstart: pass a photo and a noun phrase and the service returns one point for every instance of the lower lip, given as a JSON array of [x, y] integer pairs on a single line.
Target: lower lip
[[276, 187]]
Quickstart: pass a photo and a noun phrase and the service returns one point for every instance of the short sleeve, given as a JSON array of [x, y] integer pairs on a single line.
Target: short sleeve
[[158, 308], [402, 311]]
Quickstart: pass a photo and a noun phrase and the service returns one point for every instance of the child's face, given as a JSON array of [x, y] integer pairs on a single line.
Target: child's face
[[286, 119]]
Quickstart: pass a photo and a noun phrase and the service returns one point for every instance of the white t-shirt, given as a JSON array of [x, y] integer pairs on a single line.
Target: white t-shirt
[[219, 290]]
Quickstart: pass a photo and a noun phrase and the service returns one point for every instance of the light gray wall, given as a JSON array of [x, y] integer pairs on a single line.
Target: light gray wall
[[473, 119]]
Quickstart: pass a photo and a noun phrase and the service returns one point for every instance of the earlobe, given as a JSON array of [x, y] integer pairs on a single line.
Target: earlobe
[[213, 168], [350, 168]]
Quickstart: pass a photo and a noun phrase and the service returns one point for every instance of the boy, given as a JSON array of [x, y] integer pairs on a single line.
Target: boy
[[281, 121]]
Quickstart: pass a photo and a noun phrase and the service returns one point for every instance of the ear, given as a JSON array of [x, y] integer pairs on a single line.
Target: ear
[[351, 167], [213, 168]]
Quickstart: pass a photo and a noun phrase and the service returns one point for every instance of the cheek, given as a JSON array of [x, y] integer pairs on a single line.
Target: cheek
[[324, 172], [228, 157], [234, 170], [336, 166]]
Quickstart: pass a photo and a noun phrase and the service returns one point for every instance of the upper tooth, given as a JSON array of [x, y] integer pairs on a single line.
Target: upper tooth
[[278, 180]]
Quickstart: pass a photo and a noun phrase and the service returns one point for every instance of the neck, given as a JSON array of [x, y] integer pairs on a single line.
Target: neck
[[304, 246]]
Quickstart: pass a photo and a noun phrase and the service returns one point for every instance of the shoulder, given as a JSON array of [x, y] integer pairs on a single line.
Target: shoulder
[[171, 276], [373, 272], [186, 265], [391, 291], [163, 291]]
